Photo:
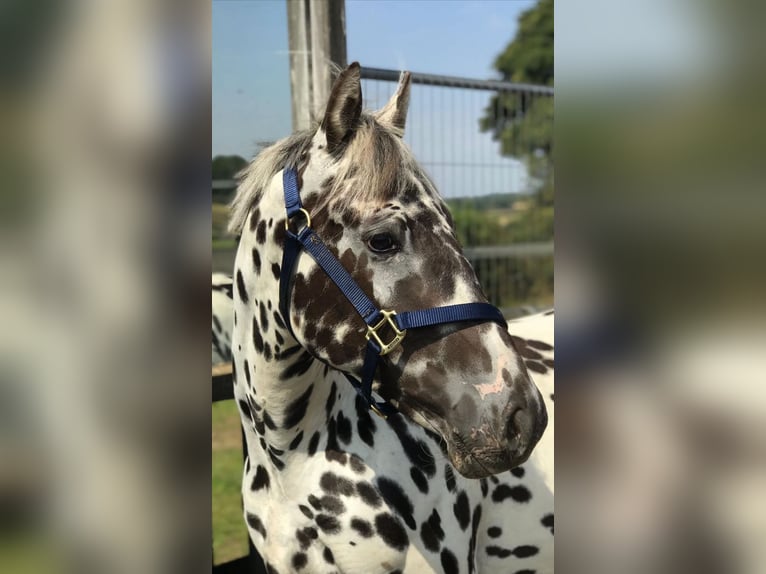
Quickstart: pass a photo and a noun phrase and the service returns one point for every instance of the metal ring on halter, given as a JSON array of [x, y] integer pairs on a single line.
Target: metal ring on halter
[[377, 411], [372, 331], [305, 214]]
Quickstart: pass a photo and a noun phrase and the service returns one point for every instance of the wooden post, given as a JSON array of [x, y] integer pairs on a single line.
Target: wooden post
[[317, 39]]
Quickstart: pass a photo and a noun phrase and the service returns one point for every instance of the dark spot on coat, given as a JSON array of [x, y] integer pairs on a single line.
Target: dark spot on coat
[[269, 421], [494, 531], [416, 450], [275, 270], [357, 464], [328, 524], [327, 554], [449, 562], [332, 504], [299, 560], [257, 338], [244, 408], [260, 479], [334, 484], [363, 527], [397, 499], [241, 287], [296, 441], [305, 536], [298, 367], [462, 510], [255, 523], [368, 494], [276, 461], [297, 409], [343, 428], [518, 493], [547, 521], [257, 261], [449, 476], [499, 552], [313, 444], [255, 217], [306, 511], [419, 479], [472, 541], [525, 551], [536, 366], [391, 531], [260, 233], [365, 426], [330, 400], [431, 532]]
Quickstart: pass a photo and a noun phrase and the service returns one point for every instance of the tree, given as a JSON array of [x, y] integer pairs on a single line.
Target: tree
[[227, 166], [523, 122]]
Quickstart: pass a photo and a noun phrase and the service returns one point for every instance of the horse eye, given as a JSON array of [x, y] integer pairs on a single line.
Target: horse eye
[[382, 243]]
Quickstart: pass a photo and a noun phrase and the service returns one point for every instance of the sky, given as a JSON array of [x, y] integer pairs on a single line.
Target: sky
[[251, 82]]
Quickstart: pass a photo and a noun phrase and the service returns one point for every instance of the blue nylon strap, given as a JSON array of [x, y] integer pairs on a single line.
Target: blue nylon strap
[[449, 314], [292, 193], [335, 271]]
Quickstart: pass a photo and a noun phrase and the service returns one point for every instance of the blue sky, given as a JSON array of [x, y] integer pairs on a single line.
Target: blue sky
[[251, 86]]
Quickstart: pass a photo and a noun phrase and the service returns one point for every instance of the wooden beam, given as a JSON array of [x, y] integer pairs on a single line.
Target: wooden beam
[[317, 40]]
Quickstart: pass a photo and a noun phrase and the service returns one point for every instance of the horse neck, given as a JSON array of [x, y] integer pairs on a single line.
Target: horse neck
[[283, 386]]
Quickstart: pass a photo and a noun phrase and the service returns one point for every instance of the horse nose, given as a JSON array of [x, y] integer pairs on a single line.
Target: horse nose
[[526, 423]]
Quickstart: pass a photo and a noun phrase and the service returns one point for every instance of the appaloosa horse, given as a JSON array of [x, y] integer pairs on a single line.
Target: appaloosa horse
[[348, 253]]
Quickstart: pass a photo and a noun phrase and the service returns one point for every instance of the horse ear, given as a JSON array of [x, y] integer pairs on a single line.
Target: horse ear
[[394, 113], [344, 107]]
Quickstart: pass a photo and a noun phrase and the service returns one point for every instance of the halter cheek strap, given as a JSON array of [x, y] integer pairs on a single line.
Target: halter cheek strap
[[376, 319]]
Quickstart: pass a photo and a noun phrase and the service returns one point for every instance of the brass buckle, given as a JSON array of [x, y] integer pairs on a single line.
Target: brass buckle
[[305, 214], [376, 410], [372, 331]]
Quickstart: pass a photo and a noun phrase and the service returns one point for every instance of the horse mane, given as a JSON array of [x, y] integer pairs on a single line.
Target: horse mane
[[375, 158], [254, 178]]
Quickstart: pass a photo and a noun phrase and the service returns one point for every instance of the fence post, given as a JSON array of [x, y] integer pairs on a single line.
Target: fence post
[[317, 37]]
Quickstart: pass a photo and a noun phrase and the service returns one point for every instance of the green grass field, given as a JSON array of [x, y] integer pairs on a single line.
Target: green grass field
[[229, 531]]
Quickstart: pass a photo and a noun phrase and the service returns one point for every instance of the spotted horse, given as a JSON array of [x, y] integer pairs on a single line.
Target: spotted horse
[[436, 476]]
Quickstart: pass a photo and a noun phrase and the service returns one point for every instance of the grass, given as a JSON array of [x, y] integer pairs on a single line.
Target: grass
[[226, 243], [229, 531]]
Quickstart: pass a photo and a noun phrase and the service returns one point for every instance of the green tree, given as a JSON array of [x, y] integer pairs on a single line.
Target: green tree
[[523, 122], [227, 166]]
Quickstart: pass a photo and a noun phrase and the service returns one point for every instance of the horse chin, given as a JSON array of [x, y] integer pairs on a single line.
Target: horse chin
[[477, 464], [471, 462]]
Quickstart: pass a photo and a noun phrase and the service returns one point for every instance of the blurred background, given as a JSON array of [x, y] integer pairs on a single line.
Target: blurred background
[[105, 388]]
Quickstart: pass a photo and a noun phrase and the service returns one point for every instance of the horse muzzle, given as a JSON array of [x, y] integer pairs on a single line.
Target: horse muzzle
[[498, 446]]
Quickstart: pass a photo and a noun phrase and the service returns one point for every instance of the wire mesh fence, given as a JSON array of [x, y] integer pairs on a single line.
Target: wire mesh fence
[[486, 145]]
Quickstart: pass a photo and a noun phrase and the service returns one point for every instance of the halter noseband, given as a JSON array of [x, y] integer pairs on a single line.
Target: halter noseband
[[375, 318]]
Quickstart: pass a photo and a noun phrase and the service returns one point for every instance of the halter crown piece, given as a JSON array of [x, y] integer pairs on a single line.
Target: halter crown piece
[[374, 318]]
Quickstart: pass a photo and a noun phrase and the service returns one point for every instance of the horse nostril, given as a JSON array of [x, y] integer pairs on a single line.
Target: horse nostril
[[526, 425]]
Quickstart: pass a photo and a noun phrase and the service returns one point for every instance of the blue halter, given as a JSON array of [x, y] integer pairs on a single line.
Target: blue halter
[[375, 318]]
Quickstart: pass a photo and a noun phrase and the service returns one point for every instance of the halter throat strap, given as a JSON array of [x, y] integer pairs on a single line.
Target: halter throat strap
[[377, 320]]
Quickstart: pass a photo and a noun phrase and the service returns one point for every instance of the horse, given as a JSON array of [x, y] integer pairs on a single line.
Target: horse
[[350, 286]]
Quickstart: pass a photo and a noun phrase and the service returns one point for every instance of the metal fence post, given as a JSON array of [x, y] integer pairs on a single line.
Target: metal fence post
[[317, 39]]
